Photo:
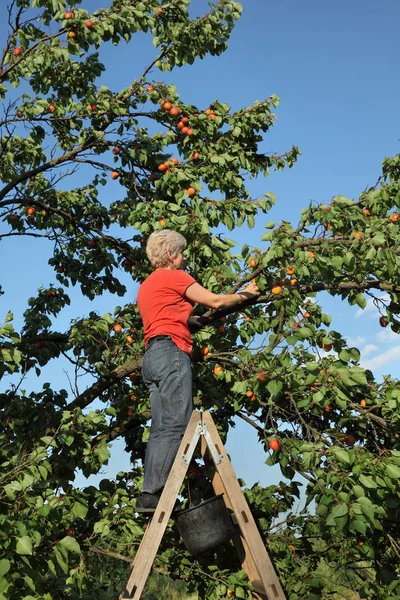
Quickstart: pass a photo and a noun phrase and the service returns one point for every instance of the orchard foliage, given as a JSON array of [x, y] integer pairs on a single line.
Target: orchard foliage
[[274, 362]]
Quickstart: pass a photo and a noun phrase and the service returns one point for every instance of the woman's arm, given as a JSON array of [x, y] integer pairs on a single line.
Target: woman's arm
[[200, 295]]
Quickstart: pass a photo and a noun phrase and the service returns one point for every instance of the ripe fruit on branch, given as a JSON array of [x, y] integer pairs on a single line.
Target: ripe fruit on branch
[[249, 393], [52, 108], [218, 369], [276, 290], [363, 403], [116, 151], [212, 116], [71, 34], [261, 376], [184, 129], [281, 490], [290, 271], [394, 218], [191, 191], [117, 327], [311, 255], [328, 409], [383, 322], [204, 351], [129, 339], [174, 111], [274, 444], [114, 175], [89, 24], [293, 281], [189, 131], [327, 347], [357, 234], [366, 212], [149, 88], [163, 167], [185, 120], [70, 531], [17, 51], [162, 222], [252, 262], [181, 125], [350, 440], [92, 107], [14, 218], [167, 106], [175, 161], [31, 211], [195, 155], [307, 315], [68, 15]]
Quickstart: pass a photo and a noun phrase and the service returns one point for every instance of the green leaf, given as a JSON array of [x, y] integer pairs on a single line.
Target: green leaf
[[70, 544], [360, 526], [358, 491], [393, 471], [361, 301], [79, 510], [367, 508], [24, 545], [340, 510], [274, 387], [368, 482], [341, 454], [4, 566]]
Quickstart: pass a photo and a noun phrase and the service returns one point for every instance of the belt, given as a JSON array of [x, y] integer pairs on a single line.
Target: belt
[[157, 338]]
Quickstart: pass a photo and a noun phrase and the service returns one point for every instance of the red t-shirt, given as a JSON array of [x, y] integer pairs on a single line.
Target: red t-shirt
[[164, 308]]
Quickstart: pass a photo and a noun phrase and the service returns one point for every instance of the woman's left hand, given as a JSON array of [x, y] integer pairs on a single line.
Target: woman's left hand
[[194, 324]]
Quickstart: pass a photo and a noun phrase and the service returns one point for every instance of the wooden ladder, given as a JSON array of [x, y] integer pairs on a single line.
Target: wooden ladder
[[249, 545]]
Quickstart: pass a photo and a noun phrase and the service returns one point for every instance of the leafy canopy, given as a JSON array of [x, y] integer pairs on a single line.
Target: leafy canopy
[[273, 362]]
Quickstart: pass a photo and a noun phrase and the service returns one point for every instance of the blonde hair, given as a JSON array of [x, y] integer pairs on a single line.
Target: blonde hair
[[162, 242]]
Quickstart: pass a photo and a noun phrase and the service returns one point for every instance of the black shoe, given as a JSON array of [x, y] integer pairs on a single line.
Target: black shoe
[[147, 503]]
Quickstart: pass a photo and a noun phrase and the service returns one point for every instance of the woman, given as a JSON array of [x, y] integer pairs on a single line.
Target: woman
[[165, 302]]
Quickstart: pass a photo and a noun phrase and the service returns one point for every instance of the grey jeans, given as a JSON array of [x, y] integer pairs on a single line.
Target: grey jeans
[[167, 372]]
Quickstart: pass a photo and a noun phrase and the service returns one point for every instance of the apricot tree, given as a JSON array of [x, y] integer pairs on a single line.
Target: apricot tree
[[274, 362]]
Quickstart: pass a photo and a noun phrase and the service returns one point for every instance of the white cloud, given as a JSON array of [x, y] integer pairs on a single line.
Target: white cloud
[[368, 350], [377, 362], [356, 342], [386, 335]]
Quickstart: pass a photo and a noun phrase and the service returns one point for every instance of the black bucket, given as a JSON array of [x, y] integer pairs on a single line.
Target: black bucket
[[205, 526]]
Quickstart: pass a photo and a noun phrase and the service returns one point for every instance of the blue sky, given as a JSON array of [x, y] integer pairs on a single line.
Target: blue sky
[[334, 66]]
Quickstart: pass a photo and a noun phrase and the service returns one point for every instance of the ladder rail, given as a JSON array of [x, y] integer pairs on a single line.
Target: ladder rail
[[155, 530]]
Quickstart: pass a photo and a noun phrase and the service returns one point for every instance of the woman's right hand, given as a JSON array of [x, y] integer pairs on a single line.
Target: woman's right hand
[[251, 289]]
